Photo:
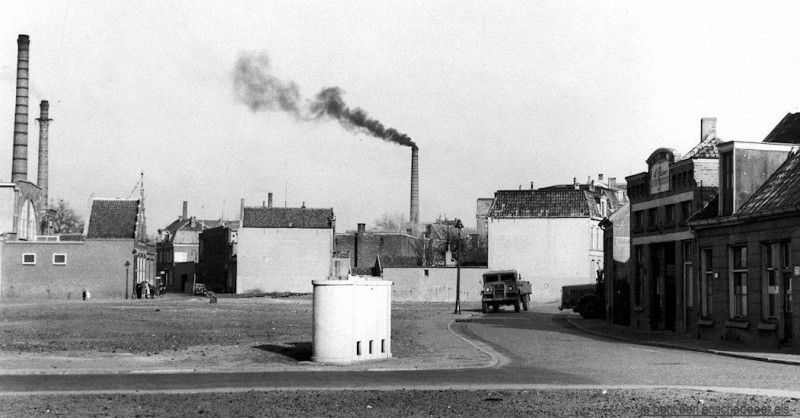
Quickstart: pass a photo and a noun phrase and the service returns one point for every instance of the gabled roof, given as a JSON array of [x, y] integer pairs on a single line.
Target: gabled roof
[[552, 203], [266, 217], [709, 211], [787, 130], [113, 218], [780, 192]]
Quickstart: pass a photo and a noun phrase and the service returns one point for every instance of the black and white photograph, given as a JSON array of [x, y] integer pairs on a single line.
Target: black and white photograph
[[399, 208]]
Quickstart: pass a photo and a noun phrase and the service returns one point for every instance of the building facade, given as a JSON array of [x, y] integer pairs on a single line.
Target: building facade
[[748, 242], [284, 249], [551, 236], [661, 268], [217, 266]]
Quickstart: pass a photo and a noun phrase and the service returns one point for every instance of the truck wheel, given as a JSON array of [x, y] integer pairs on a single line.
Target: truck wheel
[[516, 306], [589, 308], [485, 307]]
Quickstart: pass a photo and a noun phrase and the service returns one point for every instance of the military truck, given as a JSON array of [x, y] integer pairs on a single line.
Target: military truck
[[585, 299], [504, 287]]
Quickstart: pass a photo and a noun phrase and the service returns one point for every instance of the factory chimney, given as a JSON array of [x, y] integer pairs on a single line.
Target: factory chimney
[[414, 213], [185, 210], [44, 128], [19, 166]]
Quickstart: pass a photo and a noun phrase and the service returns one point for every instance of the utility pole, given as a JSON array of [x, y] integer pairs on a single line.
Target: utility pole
[[458, 225]]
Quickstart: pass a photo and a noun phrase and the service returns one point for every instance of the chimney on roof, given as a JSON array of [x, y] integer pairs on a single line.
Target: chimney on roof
[[362, 228], [263, 203], [708, 128], [600, 177], [193, 222], [612, 182], [269, 199], [575, 183], [241, 210], [304, 205], [531, 185], [591, 185], [19, 162], [185, 210]]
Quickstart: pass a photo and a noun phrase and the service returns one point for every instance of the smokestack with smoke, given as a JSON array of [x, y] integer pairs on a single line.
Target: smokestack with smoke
[[260, 90], [414, 212], [19, 165]]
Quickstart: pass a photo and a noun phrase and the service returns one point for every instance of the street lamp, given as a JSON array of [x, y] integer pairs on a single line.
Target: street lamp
[[127, 264], [457, 223]]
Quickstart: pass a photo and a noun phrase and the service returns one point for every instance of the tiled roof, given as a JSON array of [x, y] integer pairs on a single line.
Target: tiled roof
[[113, 218], [551, 203], [780, 191], [709, 211], [787, 130], [266, 217], [707, 148]]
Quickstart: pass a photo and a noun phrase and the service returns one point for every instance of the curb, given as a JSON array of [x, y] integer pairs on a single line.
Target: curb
[[683, 347]]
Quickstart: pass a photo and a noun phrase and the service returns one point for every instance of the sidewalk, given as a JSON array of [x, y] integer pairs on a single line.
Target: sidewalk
[[683, 342]]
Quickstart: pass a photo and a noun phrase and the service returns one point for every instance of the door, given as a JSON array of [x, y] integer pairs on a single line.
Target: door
[[670, 289]]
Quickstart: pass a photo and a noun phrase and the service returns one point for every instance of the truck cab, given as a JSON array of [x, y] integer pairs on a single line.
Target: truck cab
[[504, 287]]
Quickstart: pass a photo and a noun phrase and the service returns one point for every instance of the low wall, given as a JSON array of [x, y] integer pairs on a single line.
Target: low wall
[[434, 284]]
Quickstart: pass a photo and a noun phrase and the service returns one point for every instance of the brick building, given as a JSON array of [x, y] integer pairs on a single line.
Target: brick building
[[748, 241], [108, 263], [217, 265], [662, 199]]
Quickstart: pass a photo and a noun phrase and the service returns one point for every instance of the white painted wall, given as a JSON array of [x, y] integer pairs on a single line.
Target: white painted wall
[[282, 259], [548, 252], [412, 285]]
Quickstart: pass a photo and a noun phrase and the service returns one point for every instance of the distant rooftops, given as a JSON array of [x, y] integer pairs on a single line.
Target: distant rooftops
[[267, 217]]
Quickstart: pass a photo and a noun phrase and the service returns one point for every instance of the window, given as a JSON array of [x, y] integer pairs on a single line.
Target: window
[[638, 220], [427, 272], [726, 188], [686, 209], [29, 259], [738, 281], [652, 216], [669, 214], [59, 259], [706, 281], [777, 264], [638, 277]]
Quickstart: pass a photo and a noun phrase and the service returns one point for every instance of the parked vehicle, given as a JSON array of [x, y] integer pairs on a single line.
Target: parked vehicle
[[585, 299], [504, 287], [200, 289]]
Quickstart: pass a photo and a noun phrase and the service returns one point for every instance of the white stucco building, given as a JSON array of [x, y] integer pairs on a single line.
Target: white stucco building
[[551, 235], [284, 249]]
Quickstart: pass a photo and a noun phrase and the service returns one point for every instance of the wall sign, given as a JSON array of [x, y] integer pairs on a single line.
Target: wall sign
[[659, 177]]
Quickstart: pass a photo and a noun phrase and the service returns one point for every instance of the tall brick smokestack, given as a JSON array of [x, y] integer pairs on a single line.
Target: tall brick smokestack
[[414, 215], [44, 139], [19, 165]]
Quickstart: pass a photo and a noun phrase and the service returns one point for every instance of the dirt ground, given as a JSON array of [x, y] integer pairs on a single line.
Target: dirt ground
[[437, 403], [180, 332]]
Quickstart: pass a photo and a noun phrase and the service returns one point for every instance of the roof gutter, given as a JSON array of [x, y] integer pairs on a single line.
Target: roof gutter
[[739, 218]]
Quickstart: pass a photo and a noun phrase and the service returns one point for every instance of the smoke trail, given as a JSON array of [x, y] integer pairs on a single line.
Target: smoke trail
[[256, 87]]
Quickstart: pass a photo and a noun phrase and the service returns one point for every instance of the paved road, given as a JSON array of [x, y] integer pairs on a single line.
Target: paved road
[[543, 339], [537, 348]]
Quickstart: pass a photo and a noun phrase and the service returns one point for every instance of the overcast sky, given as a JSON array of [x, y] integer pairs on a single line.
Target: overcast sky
[[495, 94]]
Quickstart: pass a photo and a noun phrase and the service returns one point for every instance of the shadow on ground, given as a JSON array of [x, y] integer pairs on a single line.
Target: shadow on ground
[[300, 351]]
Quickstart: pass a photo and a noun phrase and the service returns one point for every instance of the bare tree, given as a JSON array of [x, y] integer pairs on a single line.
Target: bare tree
[[65, 220], [390, 222]]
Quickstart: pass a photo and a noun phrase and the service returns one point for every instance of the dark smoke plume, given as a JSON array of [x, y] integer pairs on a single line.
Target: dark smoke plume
[[257, 88]]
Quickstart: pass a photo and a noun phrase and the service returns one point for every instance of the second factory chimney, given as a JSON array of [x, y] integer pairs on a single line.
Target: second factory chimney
[[414, 213], [19, 166], [44, 128]]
